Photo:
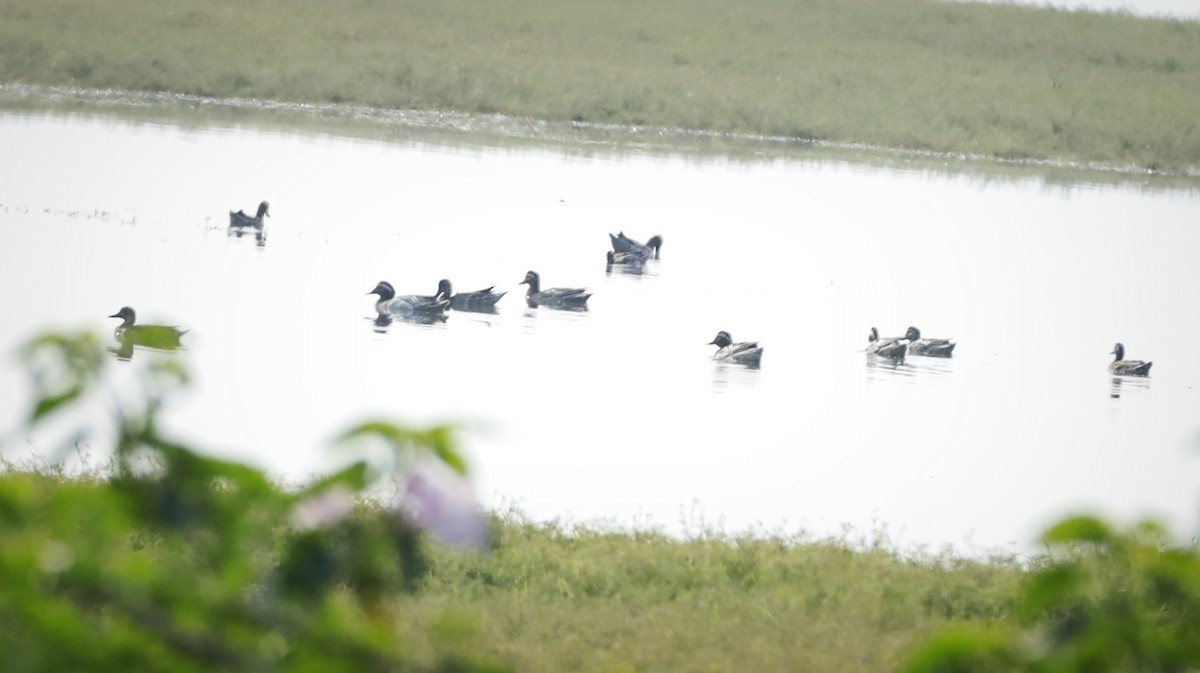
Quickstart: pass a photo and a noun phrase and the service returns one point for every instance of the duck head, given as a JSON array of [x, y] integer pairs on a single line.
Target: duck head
[[721, 340], [656, 243], [533, 281], [912, 334], [1119, 351], [384, 289], [127, 316], [444, 290], [873, 336], [263, 209]]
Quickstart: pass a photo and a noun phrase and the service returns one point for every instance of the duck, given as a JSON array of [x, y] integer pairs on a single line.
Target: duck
[[626, 262], [241, 220], [407, 305], [1123, 367], [936, 348], [747, 353], [478, 301], [891, 348], [166, 337], [571, 299], [647, 250]]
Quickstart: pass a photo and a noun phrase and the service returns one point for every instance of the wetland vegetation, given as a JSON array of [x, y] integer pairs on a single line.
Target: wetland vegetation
[[994, 80]]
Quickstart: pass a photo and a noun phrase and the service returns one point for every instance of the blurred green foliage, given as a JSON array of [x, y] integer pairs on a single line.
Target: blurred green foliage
[[1101, 601], [174, 561]]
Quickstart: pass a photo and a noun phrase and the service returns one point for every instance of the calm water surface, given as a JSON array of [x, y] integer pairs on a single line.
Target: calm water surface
[[618, 414]]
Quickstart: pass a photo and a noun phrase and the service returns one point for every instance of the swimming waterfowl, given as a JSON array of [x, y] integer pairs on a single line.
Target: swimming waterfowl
[[165, 337], [647, 250], [241, 220], [1124, 367], [937, 348], [406, 305], [571, 299], [626, 262], [747, 353], [891, 348], [478, 301]]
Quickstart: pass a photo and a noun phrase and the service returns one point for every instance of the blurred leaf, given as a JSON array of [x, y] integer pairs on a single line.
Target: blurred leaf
[[353, 477], [1049, 588], [161, 337], [439, 440], [1078, 529], [309, 567], [179, 561], [964, 650], [1151, 531], [172, 369], [48, 404], [1175, 578], [390, 432]]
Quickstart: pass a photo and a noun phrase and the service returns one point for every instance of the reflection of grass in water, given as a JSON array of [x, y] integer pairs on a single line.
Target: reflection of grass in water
[[996, 80]]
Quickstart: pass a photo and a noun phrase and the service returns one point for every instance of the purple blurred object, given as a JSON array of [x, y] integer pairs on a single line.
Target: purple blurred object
[[444, 505]]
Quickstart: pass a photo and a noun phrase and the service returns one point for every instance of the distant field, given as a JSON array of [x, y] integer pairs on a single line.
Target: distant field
[[995, 80]]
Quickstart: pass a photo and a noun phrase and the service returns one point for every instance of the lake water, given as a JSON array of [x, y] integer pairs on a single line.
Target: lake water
[[618, 414]]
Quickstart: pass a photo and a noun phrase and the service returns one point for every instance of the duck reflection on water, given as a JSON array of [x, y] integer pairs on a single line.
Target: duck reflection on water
[[624, 262], [383, 321], [1126, 385], [260, 236]]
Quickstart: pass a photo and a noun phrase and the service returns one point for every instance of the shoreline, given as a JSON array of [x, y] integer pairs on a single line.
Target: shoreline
[[590, 137]]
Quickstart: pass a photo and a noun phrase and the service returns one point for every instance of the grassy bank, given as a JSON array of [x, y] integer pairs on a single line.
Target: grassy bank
[[542, 599], [588, 600], [995, 80]]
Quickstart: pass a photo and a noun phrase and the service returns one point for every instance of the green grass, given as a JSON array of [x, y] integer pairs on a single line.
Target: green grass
[[548, 598], [997, 80], [545, 597]]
